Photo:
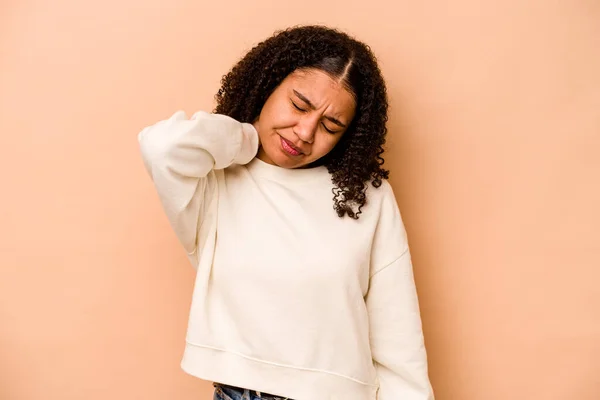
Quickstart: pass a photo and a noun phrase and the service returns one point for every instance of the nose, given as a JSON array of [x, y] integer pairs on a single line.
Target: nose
[[305, 129]]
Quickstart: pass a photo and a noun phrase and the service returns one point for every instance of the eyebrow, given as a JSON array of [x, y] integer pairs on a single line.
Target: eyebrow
[[312, 106]]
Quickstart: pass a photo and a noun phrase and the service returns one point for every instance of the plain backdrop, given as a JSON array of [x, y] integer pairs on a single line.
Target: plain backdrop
[[494, 140]]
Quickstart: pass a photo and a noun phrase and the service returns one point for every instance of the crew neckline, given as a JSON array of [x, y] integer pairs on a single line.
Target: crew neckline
[[265, 170]]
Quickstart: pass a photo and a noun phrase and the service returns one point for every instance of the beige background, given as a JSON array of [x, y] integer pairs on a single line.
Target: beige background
[[494, 149]]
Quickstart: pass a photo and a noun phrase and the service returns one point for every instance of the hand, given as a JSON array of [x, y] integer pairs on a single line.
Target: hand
[[256, 124]]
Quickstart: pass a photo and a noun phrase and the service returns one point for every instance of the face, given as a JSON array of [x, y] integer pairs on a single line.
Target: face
[[303, 119]]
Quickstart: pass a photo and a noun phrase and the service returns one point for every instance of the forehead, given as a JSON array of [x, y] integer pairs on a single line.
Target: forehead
[[321, 89]]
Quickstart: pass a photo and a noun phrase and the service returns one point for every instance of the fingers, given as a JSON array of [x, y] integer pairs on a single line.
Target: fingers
[[199, 114], [179, 116]]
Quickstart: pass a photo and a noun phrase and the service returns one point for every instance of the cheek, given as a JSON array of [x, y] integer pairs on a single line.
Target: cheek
[[276, 115], [326, 143]]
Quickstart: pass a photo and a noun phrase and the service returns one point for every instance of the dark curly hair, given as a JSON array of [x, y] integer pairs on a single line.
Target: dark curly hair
[[357, 158]]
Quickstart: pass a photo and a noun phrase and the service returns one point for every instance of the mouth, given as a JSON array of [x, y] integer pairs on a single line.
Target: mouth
[[289, 148]]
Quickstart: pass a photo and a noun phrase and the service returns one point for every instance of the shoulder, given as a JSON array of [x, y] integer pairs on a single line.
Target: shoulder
[[382, 199], [390, 239]]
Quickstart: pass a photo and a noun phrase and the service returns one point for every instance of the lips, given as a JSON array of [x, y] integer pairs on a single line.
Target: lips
[[289, 147]]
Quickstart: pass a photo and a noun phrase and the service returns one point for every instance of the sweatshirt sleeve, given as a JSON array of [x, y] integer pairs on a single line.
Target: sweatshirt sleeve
[[397, 342], [180, 155]]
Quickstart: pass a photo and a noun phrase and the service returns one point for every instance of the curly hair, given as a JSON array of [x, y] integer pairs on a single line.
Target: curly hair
[[357, 158]]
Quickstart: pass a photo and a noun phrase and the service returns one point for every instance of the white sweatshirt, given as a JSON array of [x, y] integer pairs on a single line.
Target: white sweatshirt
[[289, 298]]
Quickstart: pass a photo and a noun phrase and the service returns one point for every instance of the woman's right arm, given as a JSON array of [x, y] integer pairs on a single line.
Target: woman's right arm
[[180, 154]]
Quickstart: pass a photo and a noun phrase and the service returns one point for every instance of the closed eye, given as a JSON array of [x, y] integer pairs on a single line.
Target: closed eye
[[297, 107], [327, 129]]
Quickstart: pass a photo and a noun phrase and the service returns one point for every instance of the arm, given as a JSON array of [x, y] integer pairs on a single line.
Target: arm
[[180, 154], [397, 343]]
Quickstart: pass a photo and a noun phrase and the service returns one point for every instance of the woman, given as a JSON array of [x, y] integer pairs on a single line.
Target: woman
[[293, 299]]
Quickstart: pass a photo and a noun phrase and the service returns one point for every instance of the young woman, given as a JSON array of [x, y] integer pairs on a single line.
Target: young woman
[[304, 286]]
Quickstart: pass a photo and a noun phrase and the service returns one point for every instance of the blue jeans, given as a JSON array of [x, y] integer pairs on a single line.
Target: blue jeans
[[225, 392]]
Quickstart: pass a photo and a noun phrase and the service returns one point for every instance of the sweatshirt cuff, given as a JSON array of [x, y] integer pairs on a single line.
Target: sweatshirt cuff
[[249, 145]]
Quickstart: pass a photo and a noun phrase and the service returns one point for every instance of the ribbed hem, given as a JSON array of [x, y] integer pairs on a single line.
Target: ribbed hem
[[298, 384]]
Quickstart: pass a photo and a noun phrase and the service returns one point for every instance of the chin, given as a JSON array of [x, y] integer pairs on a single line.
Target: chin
[[284, 161]]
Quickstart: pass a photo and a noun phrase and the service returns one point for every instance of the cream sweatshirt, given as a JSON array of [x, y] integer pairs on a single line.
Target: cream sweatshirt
[[289, 299]]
